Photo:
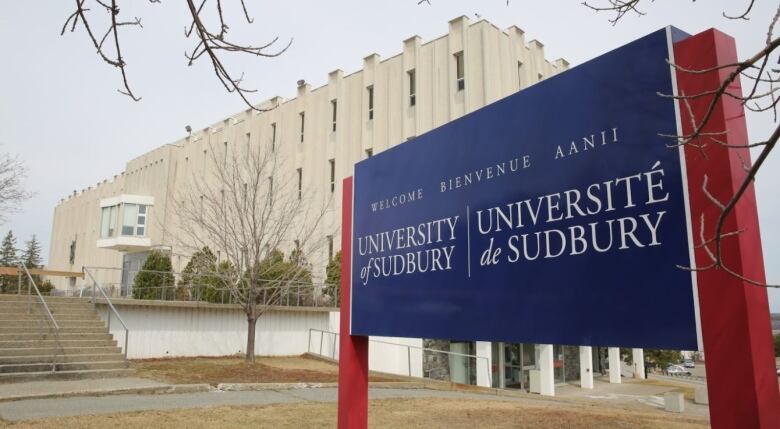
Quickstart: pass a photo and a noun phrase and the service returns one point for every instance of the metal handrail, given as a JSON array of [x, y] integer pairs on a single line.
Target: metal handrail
[[31, 285], [96, 285], [280, 292], [409, 347]]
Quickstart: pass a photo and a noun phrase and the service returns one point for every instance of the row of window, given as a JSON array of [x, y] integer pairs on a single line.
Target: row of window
[[460, 81], [412, 76]]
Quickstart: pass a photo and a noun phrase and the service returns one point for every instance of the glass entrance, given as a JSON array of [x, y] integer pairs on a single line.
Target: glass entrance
[[514, 361]]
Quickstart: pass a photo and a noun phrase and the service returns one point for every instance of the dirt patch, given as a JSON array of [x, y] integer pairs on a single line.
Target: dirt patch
[[428, 413], [294, 369]]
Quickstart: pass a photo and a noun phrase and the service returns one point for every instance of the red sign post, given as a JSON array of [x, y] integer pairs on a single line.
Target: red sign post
[[741, 379], [353, 350]]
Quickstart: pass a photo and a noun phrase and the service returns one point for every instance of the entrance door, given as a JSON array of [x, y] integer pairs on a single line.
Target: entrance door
[[513, 366]]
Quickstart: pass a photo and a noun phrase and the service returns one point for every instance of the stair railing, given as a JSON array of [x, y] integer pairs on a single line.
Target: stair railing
[[56, 327], [96, 287]]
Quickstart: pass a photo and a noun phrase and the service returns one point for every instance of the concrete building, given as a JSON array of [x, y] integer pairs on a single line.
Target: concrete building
[[321, 133]]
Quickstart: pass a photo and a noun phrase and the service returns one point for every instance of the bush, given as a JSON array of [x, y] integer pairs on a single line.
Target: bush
[[198, 281], [45, 287], [155, 275]]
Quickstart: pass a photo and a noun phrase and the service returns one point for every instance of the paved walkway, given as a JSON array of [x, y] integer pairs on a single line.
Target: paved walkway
[[42, 408], [56, 388], [83, 397]]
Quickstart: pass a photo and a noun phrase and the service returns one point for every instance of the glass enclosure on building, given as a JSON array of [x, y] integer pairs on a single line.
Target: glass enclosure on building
[[132, 218]]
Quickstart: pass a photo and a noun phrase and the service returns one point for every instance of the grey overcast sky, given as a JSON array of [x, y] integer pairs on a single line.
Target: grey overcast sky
[[60, 110]]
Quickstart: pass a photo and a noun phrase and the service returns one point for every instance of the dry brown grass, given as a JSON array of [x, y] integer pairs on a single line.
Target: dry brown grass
[[687, 389], [293, 369], [388, 413]]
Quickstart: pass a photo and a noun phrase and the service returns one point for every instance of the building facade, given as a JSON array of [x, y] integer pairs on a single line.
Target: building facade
[[320, 134]]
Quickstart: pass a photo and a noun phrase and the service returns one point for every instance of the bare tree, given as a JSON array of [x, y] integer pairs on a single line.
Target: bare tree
[[248, 207], [12, 192], [760, 96], [207, 42]]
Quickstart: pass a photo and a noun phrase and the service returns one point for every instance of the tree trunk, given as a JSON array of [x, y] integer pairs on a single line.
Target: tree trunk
[[251, 321]]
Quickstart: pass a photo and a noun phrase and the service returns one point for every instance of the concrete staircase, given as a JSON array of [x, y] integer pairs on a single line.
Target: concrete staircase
[[30, 350]]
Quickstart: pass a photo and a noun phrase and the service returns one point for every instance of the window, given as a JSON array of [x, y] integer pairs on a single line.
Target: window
[[297, 245], [300, 183], [273, 136], [134, 219], [370, 90], [540, 76], [108, 221], [519, 74], [459, 71], [412, 87], [330, 247], [270, 189], [248, 138], [334, 106], [332, 163], [369, 153], [303, 124], [72, 256]]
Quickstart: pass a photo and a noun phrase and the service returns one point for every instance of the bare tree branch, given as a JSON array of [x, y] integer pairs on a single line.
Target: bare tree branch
[[12, 192], [247, 207], [208, 43]]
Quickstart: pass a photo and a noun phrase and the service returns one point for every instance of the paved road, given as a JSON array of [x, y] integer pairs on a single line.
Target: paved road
[[41, 408]]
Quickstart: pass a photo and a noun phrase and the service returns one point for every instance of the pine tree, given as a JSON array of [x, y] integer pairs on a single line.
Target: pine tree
[[8, 258], [155, 280], [200, 279], [31, 257]]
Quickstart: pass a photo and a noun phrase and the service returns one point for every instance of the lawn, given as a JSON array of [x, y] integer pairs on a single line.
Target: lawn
[[215, 370]]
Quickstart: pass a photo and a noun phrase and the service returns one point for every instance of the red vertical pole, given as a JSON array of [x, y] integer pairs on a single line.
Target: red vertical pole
[[741, 379], [353, 350]]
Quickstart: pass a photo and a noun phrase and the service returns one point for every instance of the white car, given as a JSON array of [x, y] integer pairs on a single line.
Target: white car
[[677, 370], [688, 363]]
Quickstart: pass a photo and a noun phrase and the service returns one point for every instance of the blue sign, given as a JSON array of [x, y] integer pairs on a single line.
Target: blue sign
[[556, 215]]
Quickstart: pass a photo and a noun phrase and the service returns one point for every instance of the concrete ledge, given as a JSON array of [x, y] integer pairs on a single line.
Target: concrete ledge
[[120, 302], [701, 396], [248, 387], [674, 402], [154, 390]]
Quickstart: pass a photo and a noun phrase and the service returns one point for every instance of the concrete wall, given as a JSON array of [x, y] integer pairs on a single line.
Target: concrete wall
[[171, 329], [179, 329], [497, 63]]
